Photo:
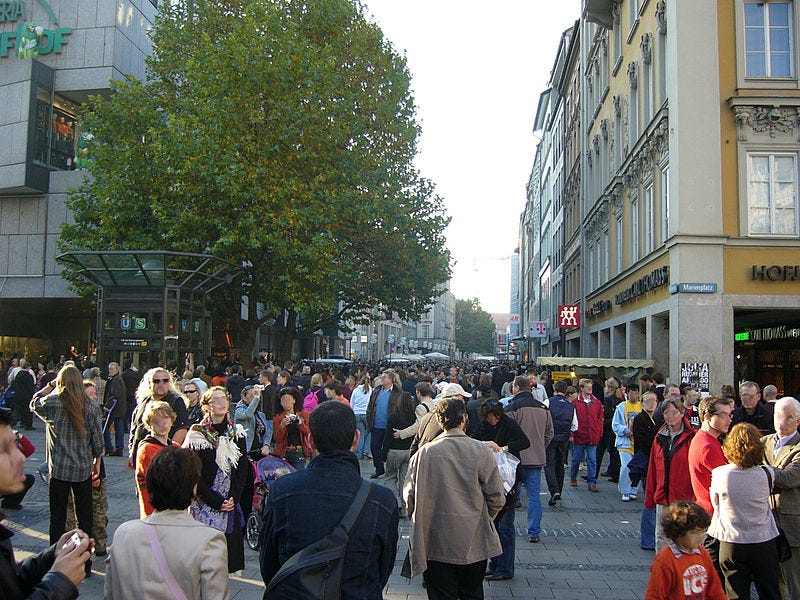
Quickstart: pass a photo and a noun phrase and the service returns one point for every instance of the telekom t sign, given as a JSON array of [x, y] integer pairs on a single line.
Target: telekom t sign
[[569, 315]]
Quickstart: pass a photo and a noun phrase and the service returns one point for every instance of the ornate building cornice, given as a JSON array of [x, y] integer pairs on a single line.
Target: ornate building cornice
[[765, 121]]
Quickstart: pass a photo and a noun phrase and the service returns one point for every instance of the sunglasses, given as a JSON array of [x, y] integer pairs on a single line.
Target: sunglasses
[[190, 391], [160, 380]]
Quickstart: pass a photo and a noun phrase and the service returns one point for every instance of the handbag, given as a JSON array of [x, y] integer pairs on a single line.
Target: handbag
[[784, 549]]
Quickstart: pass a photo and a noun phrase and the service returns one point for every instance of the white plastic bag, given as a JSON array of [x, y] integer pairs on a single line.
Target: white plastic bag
[[507, 463]]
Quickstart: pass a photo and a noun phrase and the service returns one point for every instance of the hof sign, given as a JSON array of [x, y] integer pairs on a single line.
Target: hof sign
[[695, 374]]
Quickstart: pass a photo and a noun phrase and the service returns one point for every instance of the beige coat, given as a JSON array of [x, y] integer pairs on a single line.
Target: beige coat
[[453, 491], [196, 555], [787, 480]]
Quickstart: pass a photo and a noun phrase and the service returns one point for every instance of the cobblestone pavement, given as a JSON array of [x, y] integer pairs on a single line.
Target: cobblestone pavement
[[589, 548]]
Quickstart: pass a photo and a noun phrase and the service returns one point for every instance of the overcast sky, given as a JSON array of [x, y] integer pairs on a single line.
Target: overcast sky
[[477, 71]]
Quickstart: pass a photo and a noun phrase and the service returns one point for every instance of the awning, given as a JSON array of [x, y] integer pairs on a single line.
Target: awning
[[575, 361]]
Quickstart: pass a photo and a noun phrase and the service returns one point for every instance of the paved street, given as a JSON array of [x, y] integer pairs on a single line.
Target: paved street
[[589, 548]]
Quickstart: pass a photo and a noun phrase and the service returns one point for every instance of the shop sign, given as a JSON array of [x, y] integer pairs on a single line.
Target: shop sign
[[556, 376], [569, 315], [696, 374], [538, 329], [775, 272], [648, 283], [693, 288], [29, 39], [598, 308], [766, 334], [133, 343]]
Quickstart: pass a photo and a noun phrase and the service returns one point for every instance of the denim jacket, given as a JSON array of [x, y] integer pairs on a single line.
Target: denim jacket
[[306, 505]]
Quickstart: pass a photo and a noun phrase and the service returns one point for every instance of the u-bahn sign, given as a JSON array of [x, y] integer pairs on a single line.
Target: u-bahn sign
[[29, 39]]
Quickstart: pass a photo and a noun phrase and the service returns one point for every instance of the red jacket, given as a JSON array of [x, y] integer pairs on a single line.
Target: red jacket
[[668, 478], [590, 421]]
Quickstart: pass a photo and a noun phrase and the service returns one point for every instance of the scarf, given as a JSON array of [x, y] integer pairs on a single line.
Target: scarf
[[203, 436]]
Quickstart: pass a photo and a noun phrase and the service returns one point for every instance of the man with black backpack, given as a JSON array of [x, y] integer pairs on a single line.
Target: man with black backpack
[[327, 532]]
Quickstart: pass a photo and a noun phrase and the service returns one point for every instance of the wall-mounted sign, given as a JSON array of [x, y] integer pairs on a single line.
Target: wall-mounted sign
[[538, 329], [775, 272], [569, 315], [693, 288], [598, 308], [648, 283], [29, 39], [133, 343], [767, 333], [696, 374]]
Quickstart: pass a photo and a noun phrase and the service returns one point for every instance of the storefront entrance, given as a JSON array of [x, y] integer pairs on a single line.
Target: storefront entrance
[[767, 349]]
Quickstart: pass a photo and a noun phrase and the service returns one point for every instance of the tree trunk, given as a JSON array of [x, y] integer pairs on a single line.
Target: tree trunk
[[289, 334]]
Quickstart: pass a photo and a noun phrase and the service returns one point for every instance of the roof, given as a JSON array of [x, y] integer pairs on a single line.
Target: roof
[[150, 268], [575, 361]]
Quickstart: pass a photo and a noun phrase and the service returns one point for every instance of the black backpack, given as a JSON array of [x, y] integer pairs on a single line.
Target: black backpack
[[315, 572]]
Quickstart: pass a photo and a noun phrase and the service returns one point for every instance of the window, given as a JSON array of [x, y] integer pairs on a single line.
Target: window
[[605, 250], [619, 235], [772, 194], [634, 230], [649, 220], [768, 39], [664, 204], [591, 267], [56, 131]]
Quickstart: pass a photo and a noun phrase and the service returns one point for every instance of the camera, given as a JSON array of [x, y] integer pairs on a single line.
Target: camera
[[294, 419]]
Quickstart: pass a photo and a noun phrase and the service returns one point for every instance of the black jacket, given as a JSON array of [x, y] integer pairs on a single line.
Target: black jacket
[[32, 577], [115, 390], [293, 520], [394, 397], [505, 433]]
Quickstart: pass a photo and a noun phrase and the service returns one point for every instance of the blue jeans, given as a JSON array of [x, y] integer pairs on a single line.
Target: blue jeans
[[363, 441], [119, 434], [625, 486], [578, 453], [532, 478], [504, 564], [647, 529]]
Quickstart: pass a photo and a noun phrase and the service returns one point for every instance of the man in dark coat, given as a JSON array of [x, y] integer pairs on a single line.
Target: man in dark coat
[[23, 386], [115, 401], [382, 402], [292, 519], [53, 574], [131, 376]]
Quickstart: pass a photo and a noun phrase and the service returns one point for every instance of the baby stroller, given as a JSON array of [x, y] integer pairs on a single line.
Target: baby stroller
[[265, 471]]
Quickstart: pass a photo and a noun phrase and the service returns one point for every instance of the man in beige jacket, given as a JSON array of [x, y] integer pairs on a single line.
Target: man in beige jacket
[[453, 490]]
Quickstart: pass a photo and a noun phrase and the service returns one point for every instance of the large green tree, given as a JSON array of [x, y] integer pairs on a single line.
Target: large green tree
[[474, 328], [279, 134]]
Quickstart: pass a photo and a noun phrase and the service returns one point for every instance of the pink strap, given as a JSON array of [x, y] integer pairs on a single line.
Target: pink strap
[[158, 553]]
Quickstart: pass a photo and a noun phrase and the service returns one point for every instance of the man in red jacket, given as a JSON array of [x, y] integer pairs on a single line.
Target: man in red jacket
[[668, 477], [584, 441]]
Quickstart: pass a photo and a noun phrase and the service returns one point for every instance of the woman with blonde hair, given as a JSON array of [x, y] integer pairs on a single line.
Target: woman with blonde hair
[[74, 447], [156, 385], [742, 519]]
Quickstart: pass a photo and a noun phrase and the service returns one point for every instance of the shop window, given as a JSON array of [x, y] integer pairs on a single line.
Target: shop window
[[768, 39], [56, 131], [772, 194]]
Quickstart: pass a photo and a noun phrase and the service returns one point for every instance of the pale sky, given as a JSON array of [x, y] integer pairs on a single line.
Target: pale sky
[[477, 71]]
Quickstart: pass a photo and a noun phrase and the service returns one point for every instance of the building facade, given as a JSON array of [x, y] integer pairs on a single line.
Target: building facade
[[689, 239], [72, 49]]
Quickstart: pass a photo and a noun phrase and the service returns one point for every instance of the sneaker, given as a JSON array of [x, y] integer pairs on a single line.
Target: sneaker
[[557, 496], [552, 501], [626, 497], [632, 496], [533, 539]]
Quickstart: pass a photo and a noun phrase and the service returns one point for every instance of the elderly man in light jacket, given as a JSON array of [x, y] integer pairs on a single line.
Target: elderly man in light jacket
[[453, 490]]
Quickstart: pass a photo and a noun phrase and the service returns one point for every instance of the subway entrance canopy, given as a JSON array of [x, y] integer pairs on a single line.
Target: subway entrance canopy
[[150, 303]]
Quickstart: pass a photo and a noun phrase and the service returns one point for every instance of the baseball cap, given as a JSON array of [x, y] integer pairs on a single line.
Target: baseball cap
[[454, 389]]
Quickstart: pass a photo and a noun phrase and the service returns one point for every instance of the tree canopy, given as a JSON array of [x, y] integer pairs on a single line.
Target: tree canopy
[[278, 134], [474, 328]]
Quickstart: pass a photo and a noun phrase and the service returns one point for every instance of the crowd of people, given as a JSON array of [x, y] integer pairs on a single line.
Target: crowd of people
[[452, 446]]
